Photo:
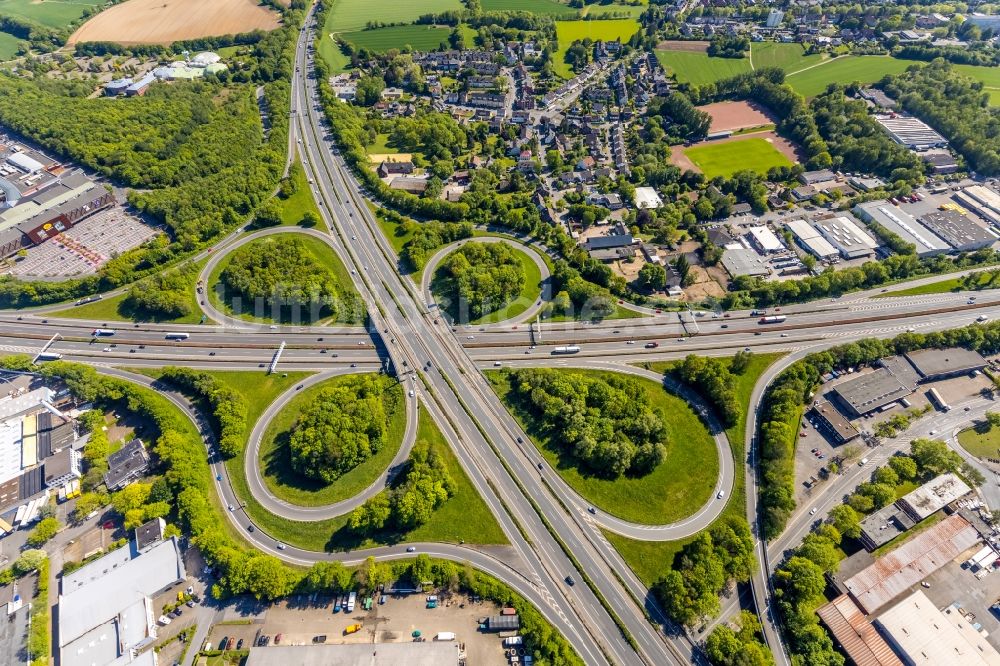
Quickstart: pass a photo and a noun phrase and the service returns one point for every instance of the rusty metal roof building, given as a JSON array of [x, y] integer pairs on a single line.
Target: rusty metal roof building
[[856, 635], [890, 576]]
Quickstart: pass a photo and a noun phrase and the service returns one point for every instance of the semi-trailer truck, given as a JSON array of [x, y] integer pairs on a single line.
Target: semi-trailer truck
[[570, 349], [772, 319]]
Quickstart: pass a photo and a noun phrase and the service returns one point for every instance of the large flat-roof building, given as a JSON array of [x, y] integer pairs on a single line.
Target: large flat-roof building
[[744, 261], [411, 653], [106, 610], [982, 200], [882, 526], [933, 496], [894, 219], [911, 132], [926, 636], [850, 240], [811, 240], [958, 230], [871, 390], [891, 575], [935, 364], [764, 240], [855, 634]]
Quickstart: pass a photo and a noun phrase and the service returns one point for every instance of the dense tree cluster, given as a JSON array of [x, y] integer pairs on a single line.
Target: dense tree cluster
[[729, 46], [343, 426], [857, 143], [742, 647], [227, 406], [166, 295], [713, 379], [703, 568], [962, 55], [605, 423], [284, 276], [680, 119], [427, 237], [423, 486], [788, 393], [480, 278], [956, 106]]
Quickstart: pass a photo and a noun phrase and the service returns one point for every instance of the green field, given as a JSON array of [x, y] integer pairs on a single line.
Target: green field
[[329, 50], [847, 69], [418, 37], [529, 294], [675, 489], [789, 57], [9, 45], [650, 560], [321, 252], [941, 287], [294, 208], [50, 13], [981, 441], [698, 68], [463, 517], [725, 159], [353, 15], [275, 461], [568, 32], [613, 10], [989, 76], [547, 7]]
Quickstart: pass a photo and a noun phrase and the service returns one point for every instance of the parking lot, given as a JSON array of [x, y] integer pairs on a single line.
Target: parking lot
[[302, 620]]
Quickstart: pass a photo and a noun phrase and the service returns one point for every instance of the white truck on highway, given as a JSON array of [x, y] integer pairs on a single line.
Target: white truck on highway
[[570, 349]]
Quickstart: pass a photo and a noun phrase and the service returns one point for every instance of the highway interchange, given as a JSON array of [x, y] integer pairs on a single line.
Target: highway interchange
[[540, 514]]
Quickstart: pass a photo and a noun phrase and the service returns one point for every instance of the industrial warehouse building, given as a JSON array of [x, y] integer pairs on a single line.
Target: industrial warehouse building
[[911, 132], [849, 239], [811, 240], [855, 634], [958, 230], [981, 200], [891, 575], [764, 240], [835, 424], [936, 364], [889, 522], [924, 635], [894, 219], [871, 390]]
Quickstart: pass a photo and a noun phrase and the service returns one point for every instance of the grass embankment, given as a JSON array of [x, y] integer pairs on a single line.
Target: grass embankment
[[295, 207], [530, 291], [275, 458], [675, 489], [323, 255], [650, 560]]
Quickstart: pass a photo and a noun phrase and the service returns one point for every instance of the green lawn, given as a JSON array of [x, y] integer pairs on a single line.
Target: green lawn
[[394, 231], [569, 31], [294, 208], [353, 15], [115, 308], [725, 159], [380, 40], [941, 287], [381, 146], [464, 516], [321, 252], [9, 45], [981, 441], [548, 7], [699, 68], [675, 489], [994, 96], [847, 69], [529, 293], [275, 459], [990, 77], [329, 50], [650, 560], [51, 13], [789, 57]]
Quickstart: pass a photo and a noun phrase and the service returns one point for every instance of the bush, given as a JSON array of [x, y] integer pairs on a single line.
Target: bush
[[227, 406]]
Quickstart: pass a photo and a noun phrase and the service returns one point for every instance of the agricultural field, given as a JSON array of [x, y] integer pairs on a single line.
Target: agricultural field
[[166, 21], [697, 69], [568, 32], [354, 15], [598, 11], [867, 69], [9, 45], [49, 14], [380, 40], [546, 7], [725, 159], [789, 57]]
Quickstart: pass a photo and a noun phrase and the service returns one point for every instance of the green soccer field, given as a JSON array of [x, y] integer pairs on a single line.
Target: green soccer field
[[698, 69], [725, 159]]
